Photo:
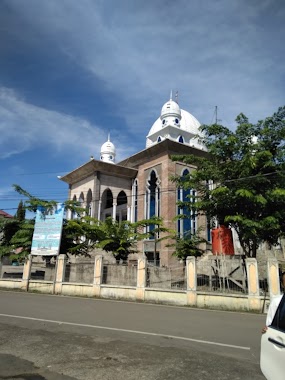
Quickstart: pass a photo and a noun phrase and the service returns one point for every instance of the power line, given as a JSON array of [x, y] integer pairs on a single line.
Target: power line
[[62, 197]]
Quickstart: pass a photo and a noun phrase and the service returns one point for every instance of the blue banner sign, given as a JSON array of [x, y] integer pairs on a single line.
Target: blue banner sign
[[47, 232]]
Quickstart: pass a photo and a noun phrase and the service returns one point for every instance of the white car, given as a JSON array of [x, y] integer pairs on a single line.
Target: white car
[[272, 354]]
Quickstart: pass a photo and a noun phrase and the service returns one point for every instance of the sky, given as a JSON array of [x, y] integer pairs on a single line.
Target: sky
[[73, 71]]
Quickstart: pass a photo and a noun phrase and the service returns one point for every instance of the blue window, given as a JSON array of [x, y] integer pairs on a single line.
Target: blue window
[[189, 221], [152, 199]]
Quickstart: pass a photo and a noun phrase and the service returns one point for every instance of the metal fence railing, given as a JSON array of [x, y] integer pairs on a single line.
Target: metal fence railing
[[225, 274], [262, 277]]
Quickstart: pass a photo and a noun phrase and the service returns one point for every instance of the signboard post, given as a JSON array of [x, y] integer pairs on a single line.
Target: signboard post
[[47, 231]]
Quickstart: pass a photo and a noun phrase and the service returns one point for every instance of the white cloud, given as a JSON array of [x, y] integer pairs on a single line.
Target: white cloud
[[24, 126], [216, 53]]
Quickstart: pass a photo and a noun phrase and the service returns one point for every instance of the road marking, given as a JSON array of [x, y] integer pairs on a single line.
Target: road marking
[[128, 331]]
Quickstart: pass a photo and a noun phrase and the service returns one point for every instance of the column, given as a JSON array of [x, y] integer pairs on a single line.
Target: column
[[59, 275], [254, 300], [26, 273], [129, 214], [114, 210], [98, 275], [99, 209], [273, 277], [141, 279], [191, 278]]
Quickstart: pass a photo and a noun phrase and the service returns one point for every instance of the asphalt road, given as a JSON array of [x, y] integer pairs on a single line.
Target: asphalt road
[[57, 338]]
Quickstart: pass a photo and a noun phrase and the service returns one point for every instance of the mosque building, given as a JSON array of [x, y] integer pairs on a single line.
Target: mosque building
[[140, 186]]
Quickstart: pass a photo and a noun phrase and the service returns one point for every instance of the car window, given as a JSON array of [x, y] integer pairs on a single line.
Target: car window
[[279, 318]]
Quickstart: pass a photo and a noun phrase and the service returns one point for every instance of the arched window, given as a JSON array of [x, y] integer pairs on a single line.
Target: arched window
[[122, 198], [152, 198], [81, 199], [189, 221], [106, 205], [181, 139], [158, 139], [109, 199], [122, 209]]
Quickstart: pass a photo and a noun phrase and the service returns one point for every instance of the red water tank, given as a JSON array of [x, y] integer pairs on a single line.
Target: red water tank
[[222, 241]]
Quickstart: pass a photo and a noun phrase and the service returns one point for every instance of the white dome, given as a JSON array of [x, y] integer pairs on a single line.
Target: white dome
[[170, 108], [108, 147], [187, 123], [108, 152]]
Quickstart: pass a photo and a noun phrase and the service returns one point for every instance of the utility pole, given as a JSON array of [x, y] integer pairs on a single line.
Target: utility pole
[[216, 115]]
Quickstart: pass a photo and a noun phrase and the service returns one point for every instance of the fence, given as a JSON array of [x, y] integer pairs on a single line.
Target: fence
[[81, 271], [224, 274], [11, 271], [166, 277], [120, 274], [262, 276], [219, 282], [42, 270]]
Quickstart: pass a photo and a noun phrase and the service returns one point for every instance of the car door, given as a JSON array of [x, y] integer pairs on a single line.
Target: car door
[[272, 354]]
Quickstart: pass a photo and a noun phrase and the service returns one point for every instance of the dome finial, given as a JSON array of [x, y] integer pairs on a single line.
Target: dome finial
[[171, 95], [176, 97]]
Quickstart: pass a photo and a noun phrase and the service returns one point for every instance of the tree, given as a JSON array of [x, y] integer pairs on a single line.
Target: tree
[[188, 245], [21, 212], [119, 238], [78, 235], [8, 228], [247, 168], [83, 233], [154, 229]]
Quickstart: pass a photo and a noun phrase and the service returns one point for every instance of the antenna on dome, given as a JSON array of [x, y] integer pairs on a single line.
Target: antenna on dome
[[171, 95], [176, 97]]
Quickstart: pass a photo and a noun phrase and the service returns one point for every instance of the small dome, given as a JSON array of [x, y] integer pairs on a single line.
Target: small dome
[[170, 108], [108, 147], [108, 152]]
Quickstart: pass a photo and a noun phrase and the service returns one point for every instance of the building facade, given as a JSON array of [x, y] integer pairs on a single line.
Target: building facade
[[140, 186]]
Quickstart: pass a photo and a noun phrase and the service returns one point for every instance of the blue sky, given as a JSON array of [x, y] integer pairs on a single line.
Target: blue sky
[[72, 71]]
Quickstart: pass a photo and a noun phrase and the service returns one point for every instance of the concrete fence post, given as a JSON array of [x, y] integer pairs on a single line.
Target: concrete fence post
[[26, 273], [273, 277], [98, 275], [141, 279], [254, 300], [191, 279], [59, 274]]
